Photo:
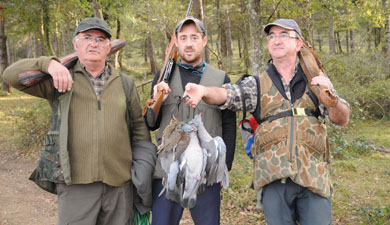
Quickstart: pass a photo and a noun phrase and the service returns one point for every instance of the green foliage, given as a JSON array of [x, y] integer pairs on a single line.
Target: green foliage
[[342, 148], [374, 215], [3, 93], [30, 127], [364, 81]]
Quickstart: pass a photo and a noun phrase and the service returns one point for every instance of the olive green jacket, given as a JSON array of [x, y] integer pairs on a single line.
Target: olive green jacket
[[54, 165]]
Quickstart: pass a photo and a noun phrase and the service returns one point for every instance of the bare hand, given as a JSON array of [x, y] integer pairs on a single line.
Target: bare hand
[[62, 79], [193, 94], [162, 86], [322, 80]]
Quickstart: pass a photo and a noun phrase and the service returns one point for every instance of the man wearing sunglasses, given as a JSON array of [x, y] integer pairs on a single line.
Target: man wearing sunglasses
[[87, 156], [291, 153]]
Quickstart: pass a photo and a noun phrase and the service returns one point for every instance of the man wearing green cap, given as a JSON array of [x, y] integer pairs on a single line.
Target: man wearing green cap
[[191, 40], [291, 153], [87, 157]]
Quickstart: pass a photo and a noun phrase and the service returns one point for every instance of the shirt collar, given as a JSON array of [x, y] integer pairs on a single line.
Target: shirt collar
[[197, 69], [106, 69]]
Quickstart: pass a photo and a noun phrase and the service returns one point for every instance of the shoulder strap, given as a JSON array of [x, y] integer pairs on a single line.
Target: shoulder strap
[[238, 82], [127, 89], [257, 111]]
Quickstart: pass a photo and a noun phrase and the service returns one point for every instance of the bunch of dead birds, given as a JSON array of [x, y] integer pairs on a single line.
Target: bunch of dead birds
[[191, 160]]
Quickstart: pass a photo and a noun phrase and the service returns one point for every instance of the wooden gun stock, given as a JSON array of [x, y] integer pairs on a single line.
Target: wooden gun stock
[[153, 104], [312, 66], [30, 78]]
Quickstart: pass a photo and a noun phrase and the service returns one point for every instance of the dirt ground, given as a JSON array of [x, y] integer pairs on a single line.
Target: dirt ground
[[23, 202]]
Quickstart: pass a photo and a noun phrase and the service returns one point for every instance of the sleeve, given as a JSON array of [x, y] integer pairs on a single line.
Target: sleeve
[[140, 131], [229, 132], [234, 99], [43, 89]]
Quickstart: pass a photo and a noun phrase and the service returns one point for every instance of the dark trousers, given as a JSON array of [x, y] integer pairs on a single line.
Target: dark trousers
[[96, 203], [290, 203], [205, 212]]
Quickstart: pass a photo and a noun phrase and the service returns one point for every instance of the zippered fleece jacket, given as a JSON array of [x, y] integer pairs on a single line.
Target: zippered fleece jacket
[[88, 139]]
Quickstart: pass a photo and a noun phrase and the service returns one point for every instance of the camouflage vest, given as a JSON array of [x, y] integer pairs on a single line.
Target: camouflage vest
[[292, 147]]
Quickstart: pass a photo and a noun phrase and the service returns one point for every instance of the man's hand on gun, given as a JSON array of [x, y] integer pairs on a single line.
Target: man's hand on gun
[[323, 81], [62, 79], [162, 86]]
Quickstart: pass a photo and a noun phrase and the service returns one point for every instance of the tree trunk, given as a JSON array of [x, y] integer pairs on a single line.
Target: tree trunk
[[3, 47], [152, 58], [57, 48], [239, 47], [228, 31], [369, 32], [377, 33], [34, 46], [64, 42], [30, 46], [197, 8], [145, 46], [150, 47], [46, 27], [387, 28], [339, 42], [332, 45], [222, 31], [118, 55], [256, 37], [219, 48], [352, 41], [304, 19], [163, 45], [97, 11], [347, 40], [244, 34], [319, 41]]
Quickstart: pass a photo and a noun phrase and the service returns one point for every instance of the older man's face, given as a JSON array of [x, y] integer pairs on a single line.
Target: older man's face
[[283, 43], [92, 46]]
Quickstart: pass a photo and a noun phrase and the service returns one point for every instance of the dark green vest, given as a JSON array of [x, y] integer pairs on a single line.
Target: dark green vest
[[211, 114]]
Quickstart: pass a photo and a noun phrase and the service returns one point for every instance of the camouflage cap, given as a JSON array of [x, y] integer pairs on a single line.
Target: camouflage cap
[[188, 20], [288, 24], [93, 23]]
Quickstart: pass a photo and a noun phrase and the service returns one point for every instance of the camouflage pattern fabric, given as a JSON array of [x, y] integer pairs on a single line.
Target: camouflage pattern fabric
[[294, 147]]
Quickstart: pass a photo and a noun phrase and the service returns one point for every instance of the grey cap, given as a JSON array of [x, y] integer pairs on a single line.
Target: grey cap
[[93, 23], [188, 20], [288, 24]]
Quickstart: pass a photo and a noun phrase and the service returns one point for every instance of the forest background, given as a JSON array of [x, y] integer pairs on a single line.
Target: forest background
[[351, 37]]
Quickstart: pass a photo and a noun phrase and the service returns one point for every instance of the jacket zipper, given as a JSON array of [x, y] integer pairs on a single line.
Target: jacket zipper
[[291, 135]]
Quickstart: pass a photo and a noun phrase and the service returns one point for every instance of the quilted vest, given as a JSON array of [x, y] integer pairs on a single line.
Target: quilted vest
[[294, 147]]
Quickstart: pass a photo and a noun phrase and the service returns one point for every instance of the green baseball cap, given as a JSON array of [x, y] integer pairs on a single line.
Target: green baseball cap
[[93, 23], [188, 20]]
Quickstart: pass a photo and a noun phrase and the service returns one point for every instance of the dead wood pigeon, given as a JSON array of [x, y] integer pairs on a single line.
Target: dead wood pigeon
[[173, 142], [192, 167], [216, 169]]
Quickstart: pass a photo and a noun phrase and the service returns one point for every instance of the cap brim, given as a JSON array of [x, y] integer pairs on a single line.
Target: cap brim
[[96, 28], [178, 28], [268, 27]]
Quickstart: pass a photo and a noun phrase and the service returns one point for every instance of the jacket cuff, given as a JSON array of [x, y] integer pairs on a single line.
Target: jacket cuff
[[43, 63]]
